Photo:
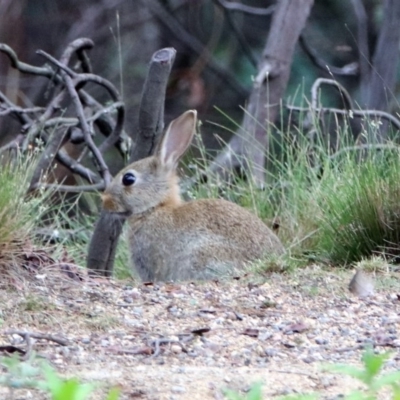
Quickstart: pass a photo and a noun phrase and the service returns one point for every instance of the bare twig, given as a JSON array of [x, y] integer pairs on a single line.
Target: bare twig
[[65, 159], [347, 70], [78, 46], [356, 113], [22, 67], [67, 75], [79, 79], [33, 128], [157, 342], [52, 338], [348, 102], [71, 188], [22, 117], [20, 110]]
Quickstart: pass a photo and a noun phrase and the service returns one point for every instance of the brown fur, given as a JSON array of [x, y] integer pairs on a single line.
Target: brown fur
[[175, 240]]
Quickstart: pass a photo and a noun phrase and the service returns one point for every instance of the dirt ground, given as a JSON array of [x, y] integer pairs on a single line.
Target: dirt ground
[[193, 340]]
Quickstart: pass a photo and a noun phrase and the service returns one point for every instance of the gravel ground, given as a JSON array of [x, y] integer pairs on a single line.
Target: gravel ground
[[192, 340]]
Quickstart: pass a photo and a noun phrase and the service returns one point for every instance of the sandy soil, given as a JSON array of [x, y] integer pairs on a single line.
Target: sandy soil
[[193, 340]]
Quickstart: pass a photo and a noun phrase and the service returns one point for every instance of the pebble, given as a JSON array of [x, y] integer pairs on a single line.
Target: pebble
[[178, 389], [270, 352], [176, 349]]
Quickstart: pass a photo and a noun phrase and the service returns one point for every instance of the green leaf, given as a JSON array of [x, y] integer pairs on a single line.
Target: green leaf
[[349, 370], [388, 379], [373, 363], [396, 392], [114, 394], [72, 389], [255, 392], [232, 395], [52, 382], [358, 395]]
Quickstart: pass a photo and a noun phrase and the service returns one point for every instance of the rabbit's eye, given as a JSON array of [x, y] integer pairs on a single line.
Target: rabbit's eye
[[128, 179]]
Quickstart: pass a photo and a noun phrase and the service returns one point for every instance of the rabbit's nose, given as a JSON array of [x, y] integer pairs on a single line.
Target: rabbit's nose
[[108, 202]]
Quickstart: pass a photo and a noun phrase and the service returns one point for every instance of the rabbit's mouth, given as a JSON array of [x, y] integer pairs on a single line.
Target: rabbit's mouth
[[121, 214]]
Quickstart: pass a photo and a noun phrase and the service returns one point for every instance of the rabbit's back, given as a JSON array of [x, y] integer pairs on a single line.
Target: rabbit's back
[[203, 239]]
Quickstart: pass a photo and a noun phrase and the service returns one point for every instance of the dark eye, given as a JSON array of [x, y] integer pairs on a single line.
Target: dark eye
[[128, 179]]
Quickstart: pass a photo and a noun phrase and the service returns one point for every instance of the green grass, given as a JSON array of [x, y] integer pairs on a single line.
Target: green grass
[[334, 203], [330, 207], [370, 375], [19, 213]]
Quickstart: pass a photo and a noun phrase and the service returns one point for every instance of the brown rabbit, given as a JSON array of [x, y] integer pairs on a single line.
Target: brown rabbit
[[175, 240]]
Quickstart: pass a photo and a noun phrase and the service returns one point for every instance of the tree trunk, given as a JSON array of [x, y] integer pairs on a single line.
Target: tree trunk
[[248, 147], [385, 61]]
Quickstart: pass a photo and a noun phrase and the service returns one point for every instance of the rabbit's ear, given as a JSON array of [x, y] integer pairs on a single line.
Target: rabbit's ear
[[177, 138]]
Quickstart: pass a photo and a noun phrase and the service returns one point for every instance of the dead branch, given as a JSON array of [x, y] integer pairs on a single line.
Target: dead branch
[[347, 70], [59, 340], [376, 114], [348, 102], [20, 110], [108, 228], [22, 67], [349, 109], [262, 109], [71, 188], [113, 131], [151, 111]]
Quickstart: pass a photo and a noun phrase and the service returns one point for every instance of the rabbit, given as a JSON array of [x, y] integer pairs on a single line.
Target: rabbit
[[174, 240]]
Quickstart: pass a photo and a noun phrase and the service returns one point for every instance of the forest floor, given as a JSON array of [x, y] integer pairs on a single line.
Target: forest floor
[[193, 340]]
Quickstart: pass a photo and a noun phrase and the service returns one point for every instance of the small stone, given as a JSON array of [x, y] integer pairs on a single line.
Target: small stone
[[175, 348], [178, 389], [270, 352], [321, 341], [128, 300]]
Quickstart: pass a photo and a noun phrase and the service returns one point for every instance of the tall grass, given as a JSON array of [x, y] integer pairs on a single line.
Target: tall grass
[[18, 213], [361, 204], [332, 207]]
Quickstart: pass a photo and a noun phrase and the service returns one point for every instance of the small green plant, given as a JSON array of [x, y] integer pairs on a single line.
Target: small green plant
[[255, 393], [32, 374], [371, 376]]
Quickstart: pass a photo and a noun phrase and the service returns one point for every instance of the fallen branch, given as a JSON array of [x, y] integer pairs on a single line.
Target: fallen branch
[[27, 336]]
